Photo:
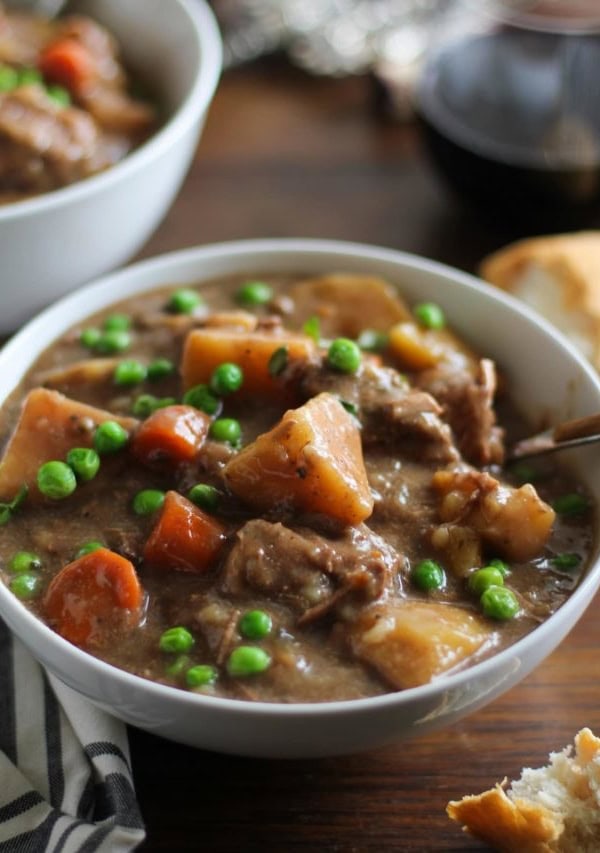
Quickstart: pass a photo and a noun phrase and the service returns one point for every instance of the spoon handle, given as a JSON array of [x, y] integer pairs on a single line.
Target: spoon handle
[[569, 434], [578, 428]]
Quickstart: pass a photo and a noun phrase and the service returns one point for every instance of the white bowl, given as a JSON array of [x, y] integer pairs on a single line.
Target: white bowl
[[546, 375], [54, 242]]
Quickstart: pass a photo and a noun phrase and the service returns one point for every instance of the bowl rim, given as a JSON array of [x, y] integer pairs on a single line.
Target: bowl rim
[[286, 247], [204, 25]]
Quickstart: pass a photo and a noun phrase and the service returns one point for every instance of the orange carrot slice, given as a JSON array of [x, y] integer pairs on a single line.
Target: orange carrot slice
[[172, 434], [93, 597], [184, 538], [68, 63]]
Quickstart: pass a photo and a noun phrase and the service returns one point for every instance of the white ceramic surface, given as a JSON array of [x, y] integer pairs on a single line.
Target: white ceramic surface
[[54, 242], [546, 376]]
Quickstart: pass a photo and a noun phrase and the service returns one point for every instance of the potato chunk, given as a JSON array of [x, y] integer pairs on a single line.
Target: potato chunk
[[311, 460], [346, 304], [206, 348], [50, 424], [515, 521], [412, 642], [418, 349]]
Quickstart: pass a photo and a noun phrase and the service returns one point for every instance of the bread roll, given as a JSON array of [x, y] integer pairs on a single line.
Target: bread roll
[[559, 276], [553, 809]]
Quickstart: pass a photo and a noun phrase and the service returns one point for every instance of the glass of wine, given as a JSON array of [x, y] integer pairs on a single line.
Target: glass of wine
[[509, 103]]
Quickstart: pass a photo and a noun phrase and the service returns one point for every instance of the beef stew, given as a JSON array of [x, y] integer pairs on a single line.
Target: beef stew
[[280, 489], [66, 105]]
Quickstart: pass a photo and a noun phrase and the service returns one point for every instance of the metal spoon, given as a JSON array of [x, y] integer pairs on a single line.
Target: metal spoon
[[569, 434]]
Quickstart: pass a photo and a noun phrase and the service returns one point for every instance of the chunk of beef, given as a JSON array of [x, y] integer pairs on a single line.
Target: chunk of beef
[[387, 407], [307, 571], [44, 146], [467, 398], [22, 37]]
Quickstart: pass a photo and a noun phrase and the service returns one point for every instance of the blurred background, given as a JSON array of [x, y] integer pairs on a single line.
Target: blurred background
[[454, 126]]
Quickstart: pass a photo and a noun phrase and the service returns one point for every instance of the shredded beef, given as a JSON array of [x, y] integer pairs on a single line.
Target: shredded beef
[[307, 571], [389, 410], [467, 399]]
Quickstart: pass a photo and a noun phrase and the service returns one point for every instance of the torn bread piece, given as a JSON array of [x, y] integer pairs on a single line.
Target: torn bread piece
[[558, 276], [552, 809]]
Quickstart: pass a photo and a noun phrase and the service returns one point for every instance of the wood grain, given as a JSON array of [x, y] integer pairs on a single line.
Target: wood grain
[[288, 155]]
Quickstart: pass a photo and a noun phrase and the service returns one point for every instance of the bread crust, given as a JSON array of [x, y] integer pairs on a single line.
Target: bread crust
[[505, 825], [571, 260], [513, 824]]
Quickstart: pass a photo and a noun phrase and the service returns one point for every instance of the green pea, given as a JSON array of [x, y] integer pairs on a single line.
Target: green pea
[[278, 361], [480, 580], [344, 355], [29, 75], [129, 372], [255, 624], [429, 315], [89, 547], [148, 501], [90, 337], [84, 462], [226, 378], [59, 95], [571, 504], [428, 575], [254, 293], [372, 340], [112, 341], [177, 640], [201, 397], [110, 437], [160, 368], [312, 328], [24, 561], [499, 602], [204, 496], [566, 561], [56, 480], [9, 79], [248, 660], [117, 323], [201, 676], [226, 429], [184, 301], [178, 666], [146, 404], [499, 564], [25, 586]]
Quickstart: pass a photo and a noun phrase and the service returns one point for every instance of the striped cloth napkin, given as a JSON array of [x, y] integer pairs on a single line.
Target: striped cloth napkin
[[65, 780]]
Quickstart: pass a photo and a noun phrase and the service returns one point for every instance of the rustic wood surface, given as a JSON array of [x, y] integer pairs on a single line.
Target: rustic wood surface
[[287, 155]]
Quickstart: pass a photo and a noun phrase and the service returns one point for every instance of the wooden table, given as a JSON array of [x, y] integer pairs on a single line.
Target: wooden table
[[288, 155]]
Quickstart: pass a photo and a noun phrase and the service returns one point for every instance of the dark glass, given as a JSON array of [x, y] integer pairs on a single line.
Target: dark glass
[[511, 118]]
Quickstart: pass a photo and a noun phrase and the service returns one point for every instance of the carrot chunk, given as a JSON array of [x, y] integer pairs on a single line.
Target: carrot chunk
[[184, 538], [311, 460], [206, 349], [49, 425], [172, 434], [93, 597], [68, 63]]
